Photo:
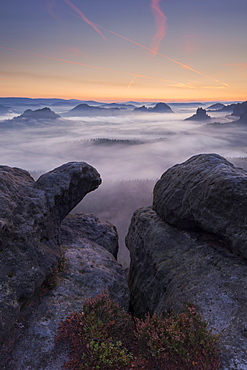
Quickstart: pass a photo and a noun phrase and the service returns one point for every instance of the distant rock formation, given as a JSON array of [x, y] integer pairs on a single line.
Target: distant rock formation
[[141, 109], [85, 109], [158, 108], [227, 108], [30, 217], [161, 108], [44, 113], [201, 115], [191, 247], [239, 109], [243, 117], [215, 107]]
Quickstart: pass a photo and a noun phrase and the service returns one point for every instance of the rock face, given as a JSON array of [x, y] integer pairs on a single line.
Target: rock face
[[30, 216], [206, 192], [89, 227], [201, 115], [88, 269], [171, 266], [186, 249]]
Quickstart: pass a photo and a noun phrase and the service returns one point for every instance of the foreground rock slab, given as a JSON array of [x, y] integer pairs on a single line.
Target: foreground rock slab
[[191, 246], [30, 216], [88, 268], [170, 267]]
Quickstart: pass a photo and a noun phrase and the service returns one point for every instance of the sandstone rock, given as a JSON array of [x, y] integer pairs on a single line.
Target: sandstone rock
[[88, 269], [30, 215], [208, 193], [201, 115], [171, 266], [88, 226]]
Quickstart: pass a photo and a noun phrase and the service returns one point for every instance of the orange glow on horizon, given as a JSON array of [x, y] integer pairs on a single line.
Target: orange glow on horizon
[[178, 84]]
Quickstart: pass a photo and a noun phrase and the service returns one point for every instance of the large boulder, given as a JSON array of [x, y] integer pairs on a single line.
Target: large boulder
[[88, 268], [208, 193], [30, 216], [171, 266]]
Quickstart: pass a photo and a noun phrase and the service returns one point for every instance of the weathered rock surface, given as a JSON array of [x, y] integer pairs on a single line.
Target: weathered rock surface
[[171, 266], [191, 247], [30, 215], [88, 269], [88, 226], [206, 192]]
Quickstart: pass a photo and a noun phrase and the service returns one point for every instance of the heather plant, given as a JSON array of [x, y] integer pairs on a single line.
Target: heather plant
[[104, 336], [183, 337]]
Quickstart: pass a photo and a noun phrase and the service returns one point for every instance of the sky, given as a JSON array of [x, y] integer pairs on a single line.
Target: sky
[[115, 50]]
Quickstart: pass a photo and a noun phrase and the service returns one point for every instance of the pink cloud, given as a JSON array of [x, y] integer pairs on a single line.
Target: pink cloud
[[161, 26], [82, 15]]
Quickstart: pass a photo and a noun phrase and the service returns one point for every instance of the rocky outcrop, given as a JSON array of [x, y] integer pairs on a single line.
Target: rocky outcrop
[[214, 107], [89, 227], [206, 192], [243, 117], [161, 108], [87, 269], [201, 115], [141, 109], [186, 249], [239, 109], [85, 109], [30, 216], [158, 108], [44, 114]]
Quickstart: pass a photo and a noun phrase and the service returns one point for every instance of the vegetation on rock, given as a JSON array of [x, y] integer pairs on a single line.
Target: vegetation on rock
[[104, 336]]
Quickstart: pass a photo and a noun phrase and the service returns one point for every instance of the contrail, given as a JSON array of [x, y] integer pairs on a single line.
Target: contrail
[[94, 67], [157, 53], [85, 18], [131, 82], [160, 20]]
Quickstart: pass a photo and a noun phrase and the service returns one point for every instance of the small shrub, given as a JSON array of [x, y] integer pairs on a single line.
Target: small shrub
[[104, 337], [183, 337]]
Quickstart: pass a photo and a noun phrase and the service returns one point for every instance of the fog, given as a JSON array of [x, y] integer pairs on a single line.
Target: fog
[[129, 150]]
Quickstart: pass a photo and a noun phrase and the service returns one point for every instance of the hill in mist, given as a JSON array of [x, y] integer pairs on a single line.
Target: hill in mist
[[38, 114]]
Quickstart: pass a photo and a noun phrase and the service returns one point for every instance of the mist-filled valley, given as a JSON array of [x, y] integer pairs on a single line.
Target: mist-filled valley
[[130, 149]]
